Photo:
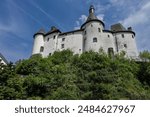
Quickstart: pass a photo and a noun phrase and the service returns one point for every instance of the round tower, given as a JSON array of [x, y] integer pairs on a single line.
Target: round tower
[[38, 46], [126, 42], [93, 28]]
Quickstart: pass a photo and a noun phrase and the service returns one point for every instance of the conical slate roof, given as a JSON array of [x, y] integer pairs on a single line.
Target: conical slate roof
[[92, 17], [53, 29], [41, 31]]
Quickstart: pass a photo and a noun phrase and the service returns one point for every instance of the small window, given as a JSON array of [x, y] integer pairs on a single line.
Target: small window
[[91, 25], [125, 45], [54, 36], [47, 39], [108, 36], [41, 49], [122, 35], [99, 30], [85, 32], [79, 49], [50, 54], [94, 39], [63, 39], [62, 45], [110, 52], [132, 36]]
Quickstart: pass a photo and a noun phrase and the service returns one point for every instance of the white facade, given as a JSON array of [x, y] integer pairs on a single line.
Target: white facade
[[91, 36]]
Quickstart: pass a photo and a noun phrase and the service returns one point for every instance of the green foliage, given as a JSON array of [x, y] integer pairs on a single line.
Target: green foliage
[[91, 75], [145, 55]]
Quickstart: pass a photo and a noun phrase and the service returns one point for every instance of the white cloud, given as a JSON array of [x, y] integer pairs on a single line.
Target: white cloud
[[82, 19], [139, 17], [100, 16], [140, 21]]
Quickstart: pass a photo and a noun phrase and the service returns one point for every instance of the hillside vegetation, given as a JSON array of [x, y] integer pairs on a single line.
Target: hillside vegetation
[[92, 76]]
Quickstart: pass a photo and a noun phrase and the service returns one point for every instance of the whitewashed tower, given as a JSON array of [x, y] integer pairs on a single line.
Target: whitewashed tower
[[92, 32], [38, 46]]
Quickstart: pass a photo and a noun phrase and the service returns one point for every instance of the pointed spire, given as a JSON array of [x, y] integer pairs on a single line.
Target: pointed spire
[[92, 9], [91, 13]]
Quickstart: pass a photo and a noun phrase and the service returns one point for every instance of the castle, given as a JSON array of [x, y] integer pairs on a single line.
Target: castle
[[91, 36]]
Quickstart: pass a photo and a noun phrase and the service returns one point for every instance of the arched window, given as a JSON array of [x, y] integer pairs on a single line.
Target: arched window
[[41, 49], [94, 39]]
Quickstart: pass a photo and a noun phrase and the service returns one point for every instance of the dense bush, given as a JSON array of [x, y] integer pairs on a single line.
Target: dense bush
[[91, 75]]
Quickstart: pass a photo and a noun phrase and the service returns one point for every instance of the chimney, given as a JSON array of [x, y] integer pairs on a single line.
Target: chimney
[[129, 28]]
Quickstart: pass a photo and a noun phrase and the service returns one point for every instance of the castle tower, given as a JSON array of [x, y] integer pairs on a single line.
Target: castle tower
[[93, 28], [38, 46], [125, 40]]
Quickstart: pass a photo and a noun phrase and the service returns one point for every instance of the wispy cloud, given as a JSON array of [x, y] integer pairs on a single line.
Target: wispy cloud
[[140, 21], [47, 15], [80, 21]]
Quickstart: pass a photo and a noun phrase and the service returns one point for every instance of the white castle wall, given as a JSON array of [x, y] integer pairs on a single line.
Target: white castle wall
[[38, 42], [127, 43], [108, 41], [72, 41], [50, 45]]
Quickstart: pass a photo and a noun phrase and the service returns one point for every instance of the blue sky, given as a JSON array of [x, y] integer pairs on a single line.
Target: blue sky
[[20, 19]]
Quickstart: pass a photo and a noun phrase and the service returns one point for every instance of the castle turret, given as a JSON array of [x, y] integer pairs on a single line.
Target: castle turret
[[93, 28], [38, 46], [125, 40]]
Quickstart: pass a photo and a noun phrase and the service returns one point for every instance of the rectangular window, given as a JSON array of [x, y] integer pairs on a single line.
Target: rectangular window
[[99, 30], [85, 32], [108, 36], [62, 46], [94, 39], [125, 45], [122, 35], [54, 36], [47, 39], [132, 36], [63, 39], [41, 49]]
